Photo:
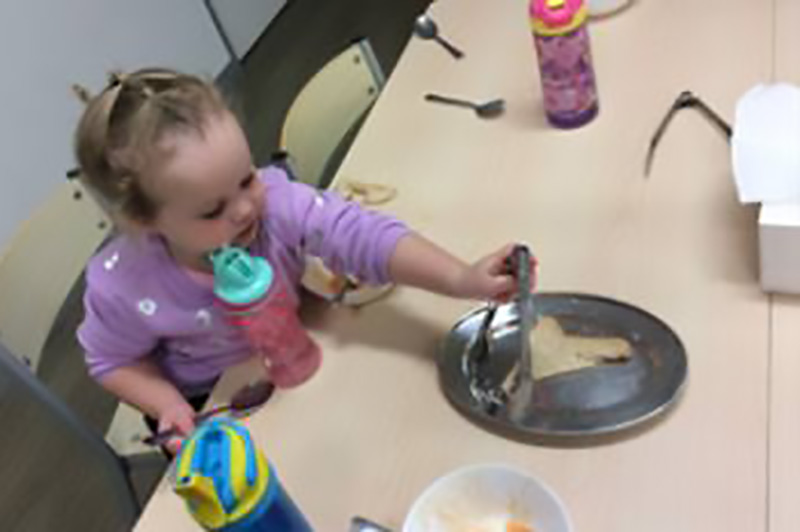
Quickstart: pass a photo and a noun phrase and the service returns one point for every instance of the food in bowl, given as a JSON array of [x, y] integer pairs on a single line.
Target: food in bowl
[[488, 498]]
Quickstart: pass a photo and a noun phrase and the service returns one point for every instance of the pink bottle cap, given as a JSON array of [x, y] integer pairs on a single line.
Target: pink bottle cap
[[558, 14]]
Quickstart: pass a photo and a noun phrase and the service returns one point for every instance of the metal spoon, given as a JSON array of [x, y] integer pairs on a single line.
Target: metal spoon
[[361, 524], [489, 396], [426, 28], [480, 347], [478, 350], [246, 399], [488, 109], [520, 394]]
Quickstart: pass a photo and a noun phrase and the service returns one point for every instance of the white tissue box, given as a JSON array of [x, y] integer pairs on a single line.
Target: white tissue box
[[779, 247]]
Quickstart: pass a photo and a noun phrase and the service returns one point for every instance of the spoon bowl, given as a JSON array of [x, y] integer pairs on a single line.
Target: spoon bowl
[[491, 108], [425, 28]]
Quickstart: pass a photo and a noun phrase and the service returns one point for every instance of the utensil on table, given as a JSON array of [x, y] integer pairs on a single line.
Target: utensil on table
[[491, 394], [360, 524], [520, 391], [478, 352], [426, 28], [488, 109], [685, 100], [480, 347], [243, 401]]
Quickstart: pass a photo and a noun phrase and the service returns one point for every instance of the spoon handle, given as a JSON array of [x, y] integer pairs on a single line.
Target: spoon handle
[[244, 401], [360, 524], [522, 389], [455, 52], [160, 438], [431, 97]]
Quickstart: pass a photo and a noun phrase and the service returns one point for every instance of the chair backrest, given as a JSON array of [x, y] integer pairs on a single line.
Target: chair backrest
[[40, 265], [57, 474], [327, 108]]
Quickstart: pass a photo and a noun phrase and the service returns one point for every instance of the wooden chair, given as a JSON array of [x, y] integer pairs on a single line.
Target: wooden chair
[[317, 130], [327, 108], [38, 268], [57, 473]]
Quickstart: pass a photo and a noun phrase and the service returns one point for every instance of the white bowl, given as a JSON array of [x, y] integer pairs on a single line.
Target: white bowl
[[484, 498]]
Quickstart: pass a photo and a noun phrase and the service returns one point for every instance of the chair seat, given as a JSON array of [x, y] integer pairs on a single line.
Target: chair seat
[[126, 432]]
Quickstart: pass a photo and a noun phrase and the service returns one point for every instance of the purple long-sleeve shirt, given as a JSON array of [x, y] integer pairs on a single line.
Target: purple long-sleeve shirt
[[140, 303]]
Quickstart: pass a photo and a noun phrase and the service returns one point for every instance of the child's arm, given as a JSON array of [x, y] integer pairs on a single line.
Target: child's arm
[[419, 262], [142, 385], [374, 247]]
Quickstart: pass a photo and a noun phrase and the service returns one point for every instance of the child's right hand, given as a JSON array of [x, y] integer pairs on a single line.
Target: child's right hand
[[179, 416]]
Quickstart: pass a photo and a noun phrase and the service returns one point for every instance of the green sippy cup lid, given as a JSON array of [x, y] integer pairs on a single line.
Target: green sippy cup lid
[[239, 278]]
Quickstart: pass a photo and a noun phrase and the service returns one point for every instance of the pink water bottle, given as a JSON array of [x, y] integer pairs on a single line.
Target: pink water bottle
[[565, 61], [258, 301]]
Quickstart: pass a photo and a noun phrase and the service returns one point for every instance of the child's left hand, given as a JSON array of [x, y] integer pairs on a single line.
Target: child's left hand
[[489, 278]]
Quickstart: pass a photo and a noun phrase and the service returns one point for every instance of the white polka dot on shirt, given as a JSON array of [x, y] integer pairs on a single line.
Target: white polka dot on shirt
[[203, 317], [148, 307], [111, 262]]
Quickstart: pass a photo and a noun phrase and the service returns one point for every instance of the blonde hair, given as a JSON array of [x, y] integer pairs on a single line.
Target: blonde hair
[[116, 141]]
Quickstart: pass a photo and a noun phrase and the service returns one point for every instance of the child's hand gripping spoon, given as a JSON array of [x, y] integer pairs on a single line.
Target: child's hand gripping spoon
[[258, 301], [244, 401], [229, 486]]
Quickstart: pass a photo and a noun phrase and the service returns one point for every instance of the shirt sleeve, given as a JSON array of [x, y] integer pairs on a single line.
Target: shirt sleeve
[[112, 334], [348, 238]]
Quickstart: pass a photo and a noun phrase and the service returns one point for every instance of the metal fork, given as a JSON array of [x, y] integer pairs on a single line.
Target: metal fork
[[477, 353]]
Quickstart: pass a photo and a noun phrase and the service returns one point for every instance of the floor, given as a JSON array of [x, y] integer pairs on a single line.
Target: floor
[[298, 42]]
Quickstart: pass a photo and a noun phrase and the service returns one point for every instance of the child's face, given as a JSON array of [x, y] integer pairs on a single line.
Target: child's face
[[207, 190]]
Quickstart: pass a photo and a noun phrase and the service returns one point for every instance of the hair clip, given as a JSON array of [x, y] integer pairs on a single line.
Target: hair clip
[[81, 92], [115, 78], [147, 91]]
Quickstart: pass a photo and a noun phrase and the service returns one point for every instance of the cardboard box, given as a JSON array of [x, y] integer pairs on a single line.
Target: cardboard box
[[779, 247]]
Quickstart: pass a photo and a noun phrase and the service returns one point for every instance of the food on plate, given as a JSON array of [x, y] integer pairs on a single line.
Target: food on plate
[[555, 351]]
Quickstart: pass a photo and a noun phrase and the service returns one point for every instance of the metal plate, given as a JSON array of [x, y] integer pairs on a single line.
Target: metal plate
[[595, 401]]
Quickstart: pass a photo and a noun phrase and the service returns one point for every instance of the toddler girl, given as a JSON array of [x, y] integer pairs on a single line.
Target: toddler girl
[[165, 157]]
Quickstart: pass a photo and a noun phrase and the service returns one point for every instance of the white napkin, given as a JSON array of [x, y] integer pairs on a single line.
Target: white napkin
[[766, 144]]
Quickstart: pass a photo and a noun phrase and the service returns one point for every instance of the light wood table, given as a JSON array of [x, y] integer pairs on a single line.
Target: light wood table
[[784, 384], [372, 430]]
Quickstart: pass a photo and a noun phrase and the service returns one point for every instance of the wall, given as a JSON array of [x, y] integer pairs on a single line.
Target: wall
[[244, 20], [47, 45]]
